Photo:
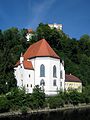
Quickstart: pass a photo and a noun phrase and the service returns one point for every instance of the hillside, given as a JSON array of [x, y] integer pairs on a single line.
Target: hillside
[[75, 53]]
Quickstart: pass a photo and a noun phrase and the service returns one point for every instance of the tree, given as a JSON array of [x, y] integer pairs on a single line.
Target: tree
[[38, 97], [74, 97]]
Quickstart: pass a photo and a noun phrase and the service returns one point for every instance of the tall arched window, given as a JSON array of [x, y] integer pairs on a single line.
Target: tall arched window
[[42, 82], [42, 71], [54, 71]]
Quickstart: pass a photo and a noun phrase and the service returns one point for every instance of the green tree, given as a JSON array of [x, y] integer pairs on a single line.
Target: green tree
[[38, 97]]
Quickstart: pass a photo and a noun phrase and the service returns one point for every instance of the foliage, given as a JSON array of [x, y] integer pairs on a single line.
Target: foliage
[[38, 97], [18, 99], [24, 110], [55, 102], [74, 97], [75, 53], [4, 104]]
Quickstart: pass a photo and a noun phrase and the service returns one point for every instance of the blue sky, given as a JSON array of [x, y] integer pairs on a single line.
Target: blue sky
[[73, 14]]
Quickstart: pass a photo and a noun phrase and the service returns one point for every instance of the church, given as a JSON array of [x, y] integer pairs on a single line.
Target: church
[[41, 66]]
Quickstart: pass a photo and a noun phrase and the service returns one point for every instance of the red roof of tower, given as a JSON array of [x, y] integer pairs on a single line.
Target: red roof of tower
[[26, 64], [40, 49], [29, 30], [71, 78]]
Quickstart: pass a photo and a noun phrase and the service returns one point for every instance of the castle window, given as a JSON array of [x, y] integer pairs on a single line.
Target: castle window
[[54, 83], [27, 85], [54, 71], [42, 82], [42, 71]]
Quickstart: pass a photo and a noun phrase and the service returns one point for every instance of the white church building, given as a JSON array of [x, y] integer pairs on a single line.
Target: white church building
[[40, 65]]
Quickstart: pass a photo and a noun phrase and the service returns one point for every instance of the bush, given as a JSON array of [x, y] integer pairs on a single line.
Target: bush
[[24, 110], [4, 104], [74, 97], [55, 102], [38, 98]]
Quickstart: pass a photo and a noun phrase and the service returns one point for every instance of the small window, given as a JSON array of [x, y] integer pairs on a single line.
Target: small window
[[54, 71], [61, 84], [22, 82], [29, 75], [42, 83], [61, 74], [54, 82], [27, 85]]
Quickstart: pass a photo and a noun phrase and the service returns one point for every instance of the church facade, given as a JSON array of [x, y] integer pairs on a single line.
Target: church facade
[[40, 65]]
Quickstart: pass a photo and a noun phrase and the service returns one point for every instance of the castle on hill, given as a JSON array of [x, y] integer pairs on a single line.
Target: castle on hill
[[40, 65]]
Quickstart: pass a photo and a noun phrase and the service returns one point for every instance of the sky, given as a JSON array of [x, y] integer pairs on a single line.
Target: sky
[[74, 15]]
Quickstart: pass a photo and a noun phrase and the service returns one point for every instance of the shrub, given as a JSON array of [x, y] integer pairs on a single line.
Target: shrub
[[24, 110], [55, 102], [4, 104]]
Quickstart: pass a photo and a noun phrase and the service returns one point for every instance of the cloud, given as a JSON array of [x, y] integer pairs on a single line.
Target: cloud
[[38, 11]]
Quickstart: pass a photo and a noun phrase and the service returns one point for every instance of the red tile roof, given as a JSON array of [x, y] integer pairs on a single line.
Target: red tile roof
[[40, 49], [71, 78], [27, 64]]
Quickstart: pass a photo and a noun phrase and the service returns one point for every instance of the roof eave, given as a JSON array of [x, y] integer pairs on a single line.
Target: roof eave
[[43, 56]]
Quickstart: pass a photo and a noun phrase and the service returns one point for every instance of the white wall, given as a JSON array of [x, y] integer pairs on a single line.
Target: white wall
[[22, 75], [63, 78], [24, 78], [48, 62]]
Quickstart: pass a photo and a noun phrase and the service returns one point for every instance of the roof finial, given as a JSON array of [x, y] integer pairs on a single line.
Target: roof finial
[[21, 58], [21, 54]]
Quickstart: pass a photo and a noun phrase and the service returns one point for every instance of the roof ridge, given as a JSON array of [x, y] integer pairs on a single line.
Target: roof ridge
[[41, 42]]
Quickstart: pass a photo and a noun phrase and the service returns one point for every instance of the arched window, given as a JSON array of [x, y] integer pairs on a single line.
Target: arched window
[[54, 71], [42, 82], [42, 71]]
